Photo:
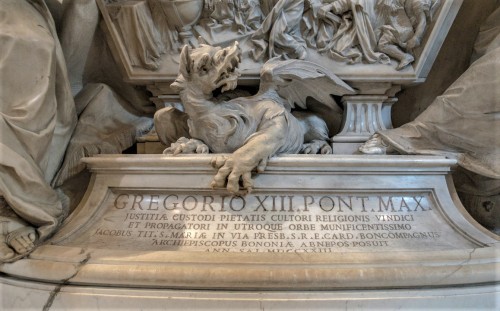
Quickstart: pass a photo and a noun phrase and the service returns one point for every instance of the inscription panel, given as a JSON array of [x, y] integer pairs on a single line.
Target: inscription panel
[[312, 222]]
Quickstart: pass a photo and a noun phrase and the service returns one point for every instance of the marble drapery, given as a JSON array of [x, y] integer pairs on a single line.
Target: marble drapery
[[37, 112], [279, 34], [144, 43], [464, 122], [38, 115], [352, 38]]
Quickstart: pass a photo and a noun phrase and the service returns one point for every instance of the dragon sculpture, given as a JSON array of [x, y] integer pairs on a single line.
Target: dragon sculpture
[[254, 128]]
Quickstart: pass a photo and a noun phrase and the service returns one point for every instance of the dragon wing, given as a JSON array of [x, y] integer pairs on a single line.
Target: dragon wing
[[296, 80]]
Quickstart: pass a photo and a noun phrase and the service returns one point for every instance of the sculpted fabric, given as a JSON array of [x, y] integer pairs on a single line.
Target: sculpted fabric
[[464, 122], [37, 111], [279, 34]]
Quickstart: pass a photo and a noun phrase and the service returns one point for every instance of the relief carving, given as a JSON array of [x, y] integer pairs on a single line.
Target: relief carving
[[403, 26], [344, 31]]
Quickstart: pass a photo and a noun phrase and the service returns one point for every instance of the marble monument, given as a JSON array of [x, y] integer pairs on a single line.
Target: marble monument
[[268, 173]]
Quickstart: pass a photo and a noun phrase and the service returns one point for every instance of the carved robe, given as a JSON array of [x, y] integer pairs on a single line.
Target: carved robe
[[400, 17], [145, 44], [37, 112], [464, 122], [279, 34], [353, 39]]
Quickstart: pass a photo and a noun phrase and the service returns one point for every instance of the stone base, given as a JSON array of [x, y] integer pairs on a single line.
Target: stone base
[[150, 147], [359, 228], [23, 295], [346, 148]]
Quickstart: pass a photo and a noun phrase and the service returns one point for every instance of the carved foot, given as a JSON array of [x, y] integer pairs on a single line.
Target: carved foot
[[231, 171], [317, 146], [408, 59], [18, 239], [376, 145], [185, 145]]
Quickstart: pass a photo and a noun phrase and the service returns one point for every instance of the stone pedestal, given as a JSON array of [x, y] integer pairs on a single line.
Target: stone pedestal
[[364, 115], [357, 228], [23, 295]]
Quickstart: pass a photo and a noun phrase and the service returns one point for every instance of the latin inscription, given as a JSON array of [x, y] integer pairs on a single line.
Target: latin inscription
[[310, 223]]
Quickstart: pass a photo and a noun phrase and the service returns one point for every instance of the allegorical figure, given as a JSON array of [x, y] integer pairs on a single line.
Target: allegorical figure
[[347, 33], [463, 123], [279, 34], [44, 130], [245, 15], [37, 120], [248, 15], [405, 22]]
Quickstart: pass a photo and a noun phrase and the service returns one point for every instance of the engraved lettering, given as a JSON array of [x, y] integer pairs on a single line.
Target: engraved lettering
[[123, 203], [205, 202], [308, 200], [326, 203], [174, 204], [137, 202], [418, 200], [261, 203], [385, 205], [154, 200], [186, 201], [363, 203], [242, 204]]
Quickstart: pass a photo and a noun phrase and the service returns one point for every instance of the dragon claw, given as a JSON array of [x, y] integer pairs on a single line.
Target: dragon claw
[[230, 173], [326, 149], [317, 146], [262, 165], [218, 161]]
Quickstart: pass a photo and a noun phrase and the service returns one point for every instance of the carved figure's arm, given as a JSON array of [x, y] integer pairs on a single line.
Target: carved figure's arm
[[416, 40]]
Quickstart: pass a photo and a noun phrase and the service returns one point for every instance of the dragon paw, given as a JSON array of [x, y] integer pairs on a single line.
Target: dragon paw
[[185, 145], [317, 146], [230, 172]]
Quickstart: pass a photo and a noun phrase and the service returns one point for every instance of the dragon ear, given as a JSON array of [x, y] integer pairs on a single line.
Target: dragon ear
[[185, 63]]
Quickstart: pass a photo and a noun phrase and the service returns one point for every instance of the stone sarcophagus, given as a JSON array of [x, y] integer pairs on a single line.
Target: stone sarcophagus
[[256, 225], [320, 225]]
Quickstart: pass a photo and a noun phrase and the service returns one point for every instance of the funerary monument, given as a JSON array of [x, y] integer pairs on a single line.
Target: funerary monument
[[242, 154]]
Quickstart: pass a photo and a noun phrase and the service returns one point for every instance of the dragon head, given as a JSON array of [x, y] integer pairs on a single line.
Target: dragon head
[[208, 68]]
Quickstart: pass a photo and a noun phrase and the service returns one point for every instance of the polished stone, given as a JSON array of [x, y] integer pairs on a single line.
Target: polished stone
[[100, 244], [22, 295]]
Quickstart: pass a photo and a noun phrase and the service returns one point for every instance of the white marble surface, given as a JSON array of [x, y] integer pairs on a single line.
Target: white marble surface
[[425, 57], [65, 276], [464, 253], [22, 295]]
